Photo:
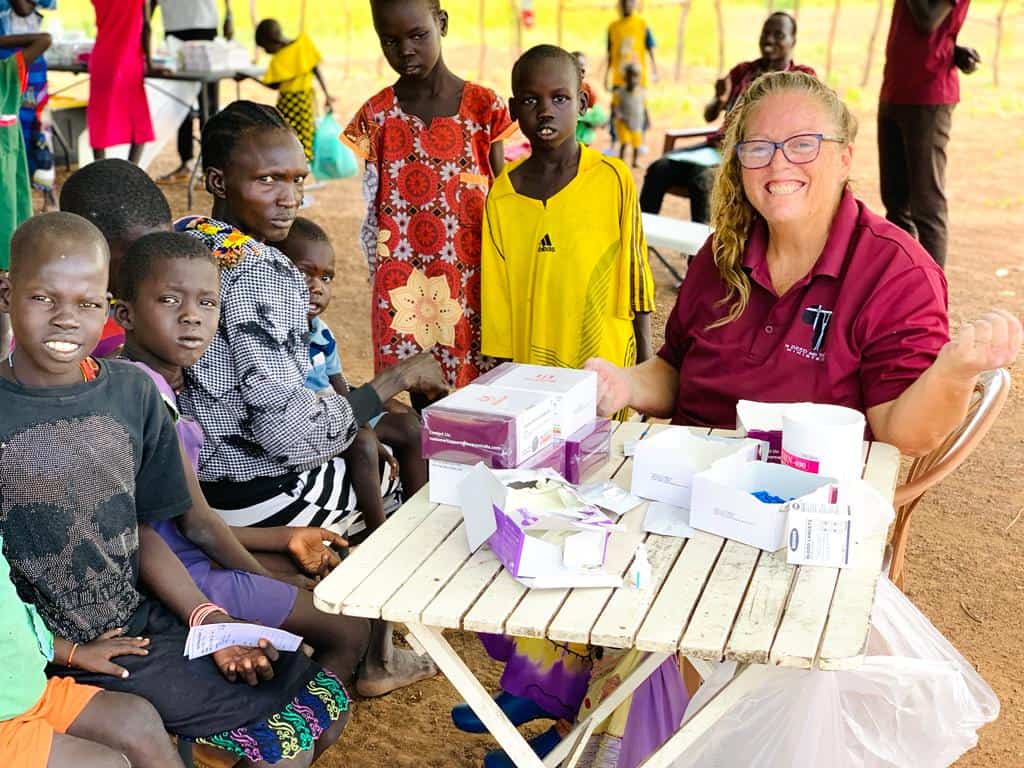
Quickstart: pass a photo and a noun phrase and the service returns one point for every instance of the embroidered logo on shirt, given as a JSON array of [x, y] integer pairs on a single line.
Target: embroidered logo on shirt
[[545, 245], [818, 318]]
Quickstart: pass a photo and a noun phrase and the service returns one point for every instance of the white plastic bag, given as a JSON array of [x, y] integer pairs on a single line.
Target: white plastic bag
[[915, 701]]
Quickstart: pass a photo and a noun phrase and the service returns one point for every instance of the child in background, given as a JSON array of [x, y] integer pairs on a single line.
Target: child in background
[[169, 306], [58, 723], [565, 278], [118, 112], [84, 553], [629, 113], [124, 204], [15, 191], [565, 210], [594, 117], [309, 248], [432, 144], [293, 65], [629, 38]]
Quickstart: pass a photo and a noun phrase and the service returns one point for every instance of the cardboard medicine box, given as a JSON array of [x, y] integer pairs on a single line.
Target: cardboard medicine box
[[723, 502], [763, 421], [575, 391], [505, 426], [665, 463], [536, 524], [448, 469], [587, 449]]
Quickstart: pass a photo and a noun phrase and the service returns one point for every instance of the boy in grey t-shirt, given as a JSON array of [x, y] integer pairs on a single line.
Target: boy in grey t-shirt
[[629, 111]]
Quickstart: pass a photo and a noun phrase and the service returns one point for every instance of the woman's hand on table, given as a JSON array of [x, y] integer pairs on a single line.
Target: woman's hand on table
[[614, 386], [991, 341]]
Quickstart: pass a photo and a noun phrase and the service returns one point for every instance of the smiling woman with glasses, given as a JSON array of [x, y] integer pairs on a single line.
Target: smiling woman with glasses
[[803, 293]]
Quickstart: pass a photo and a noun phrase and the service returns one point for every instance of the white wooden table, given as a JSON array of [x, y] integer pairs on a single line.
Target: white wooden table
[[675, 234], [709, 599]]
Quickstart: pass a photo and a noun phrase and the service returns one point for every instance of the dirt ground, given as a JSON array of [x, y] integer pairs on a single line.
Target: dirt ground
[[965, 567]]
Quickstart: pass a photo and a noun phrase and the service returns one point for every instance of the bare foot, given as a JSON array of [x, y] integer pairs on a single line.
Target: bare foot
[[404, 668]]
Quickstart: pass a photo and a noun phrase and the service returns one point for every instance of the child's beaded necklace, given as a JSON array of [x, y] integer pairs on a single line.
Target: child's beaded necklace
[[89, 367]]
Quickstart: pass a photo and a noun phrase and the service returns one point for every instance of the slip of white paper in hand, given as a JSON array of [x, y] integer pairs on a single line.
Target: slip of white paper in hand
[[210, 638]]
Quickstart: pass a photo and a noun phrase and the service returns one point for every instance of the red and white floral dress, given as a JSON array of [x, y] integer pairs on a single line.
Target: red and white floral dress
[[425, 187]]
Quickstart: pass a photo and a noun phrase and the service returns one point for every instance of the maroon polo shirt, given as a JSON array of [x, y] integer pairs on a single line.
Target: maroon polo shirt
[[919, 66], [866, 321]]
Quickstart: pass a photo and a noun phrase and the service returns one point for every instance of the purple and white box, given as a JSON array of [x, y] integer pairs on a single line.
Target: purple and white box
[[575, 391], [448, 468], [587, 449], [540, 529], [497, 425]]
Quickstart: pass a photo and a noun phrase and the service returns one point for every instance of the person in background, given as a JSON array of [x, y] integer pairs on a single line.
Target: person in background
[[630, 41], [432, 145], [293, 65], [920, 89], [694, 167], [118, 112], [188, 20], [22, 17], [122, 202], [595, 116], [15, 190], [629, 113]]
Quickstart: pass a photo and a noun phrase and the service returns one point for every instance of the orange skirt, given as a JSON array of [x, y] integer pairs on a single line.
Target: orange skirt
[[25, 740]]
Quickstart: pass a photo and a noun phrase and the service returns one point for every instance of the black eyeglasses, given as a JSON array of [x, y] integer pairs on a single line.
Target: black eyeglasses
[[800, 149]]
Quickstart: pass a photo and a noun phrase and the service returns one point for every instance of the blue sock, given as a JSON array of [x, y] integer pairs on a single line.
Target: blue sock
[[542, 745], [518, 709]]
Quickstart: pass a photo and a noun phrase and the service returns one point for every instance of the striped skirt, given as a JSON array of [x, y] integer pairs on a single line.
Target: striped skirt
[[322, 496]]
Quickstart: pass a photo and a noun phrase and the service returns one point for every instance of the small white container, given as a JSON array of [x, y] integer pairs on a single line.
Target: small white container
[[824, 440]]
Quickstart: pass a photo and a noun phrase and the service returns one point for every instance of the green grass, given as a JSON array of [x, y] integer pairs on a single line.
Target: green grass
[[355, 69]]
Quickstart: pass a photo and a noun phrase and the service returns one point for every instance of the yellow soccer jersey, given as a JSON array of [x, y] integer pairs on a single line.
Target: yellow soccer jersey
[[561, 280], [627, 44]]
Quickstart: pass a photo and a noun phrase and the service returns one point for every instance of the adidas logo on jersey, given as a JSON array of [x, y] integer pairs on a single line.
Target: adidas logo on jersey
[[545, 245]]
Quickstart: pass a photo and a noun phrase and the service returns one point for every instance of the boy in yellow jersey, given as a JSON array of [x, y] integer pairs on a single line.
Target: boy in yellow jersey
[[629, 38], [564, 261]]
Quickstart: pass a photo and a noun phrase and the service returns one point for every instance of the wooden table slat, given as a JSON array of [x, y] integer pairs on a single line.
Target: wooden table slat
[[671, 610], [762, 609], [458, 595], [495, 605], [409, 602], [719, 605], [625, 612], [845, 639], [371, 555], [369, 597]]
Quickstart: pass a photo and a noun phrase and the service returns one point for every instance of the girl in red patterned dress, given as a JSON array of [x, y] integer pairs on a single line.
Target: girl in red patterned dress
[[432, 143]]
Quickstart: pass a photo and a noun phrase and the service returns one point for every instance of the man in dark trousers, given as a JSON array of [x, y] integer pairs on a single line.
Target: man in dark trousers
[[920, 87], [194, 20]]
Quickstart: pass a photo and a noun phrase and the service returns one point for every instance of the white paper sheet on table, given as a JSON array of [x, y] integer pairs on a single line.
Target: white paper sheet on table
[[210, 638], [609, 496], [668, 520]]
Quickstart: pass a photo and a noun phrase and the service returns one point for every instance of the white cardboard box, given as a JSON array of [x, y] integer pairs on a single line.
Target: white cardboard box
[[723, 503], [763, 421], [664, 464], [539, 528], [575, 391]]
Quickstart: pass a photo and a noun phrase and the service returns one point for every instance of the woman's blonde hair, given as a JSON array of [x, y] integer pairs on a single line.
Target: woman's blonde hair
[[731, 212]]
